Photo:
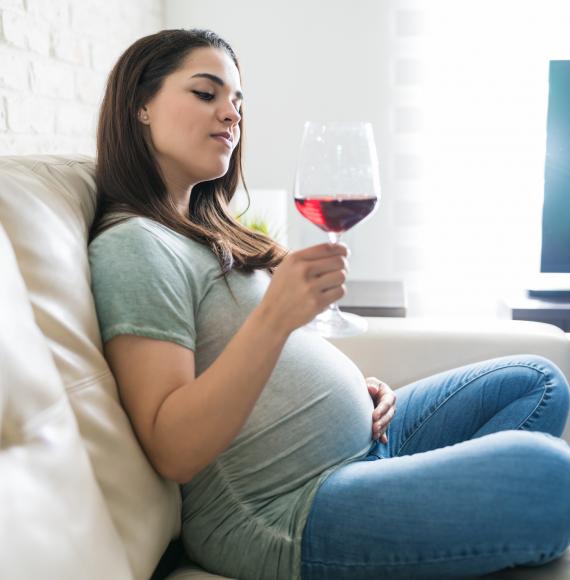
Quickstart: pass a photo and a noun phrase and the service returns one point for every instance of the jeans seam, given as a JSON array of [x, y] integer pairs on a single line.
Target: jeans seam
[[454, 557], [547, 388], [482, 374]]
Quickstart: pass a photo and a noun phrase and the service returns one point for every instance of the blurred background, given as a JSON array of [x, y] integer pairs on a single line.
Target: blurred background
[[456, 91]]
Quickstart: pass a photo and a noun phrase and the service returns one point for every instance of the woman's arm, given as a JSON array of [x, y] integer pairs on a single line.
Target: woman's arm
[[184, 422]]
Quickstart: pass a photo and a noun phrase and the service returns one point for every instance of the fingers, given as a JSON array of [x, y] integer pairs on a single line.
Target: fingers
[[333, 294], [321, 251], [380, 426], [381, 385], [386, 409], [373, 390], [380, 435], [319, 268], [386, 403], [384, 389], [386, 418], [330, 280], [324, 267], [324, 258]]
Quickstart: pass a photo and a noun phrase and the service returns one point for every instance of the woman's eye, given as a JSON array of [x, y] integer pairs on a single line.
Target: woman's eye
[[203, 96]]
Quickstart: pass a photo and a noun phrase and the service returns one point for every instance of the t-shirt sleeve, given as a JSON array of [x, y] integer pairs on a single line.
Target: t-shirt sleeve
[[140, 286]]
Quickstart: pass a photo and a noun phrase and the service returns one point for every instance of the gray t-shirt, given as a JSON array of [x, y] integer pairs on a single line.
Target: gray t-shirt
[[243, 515]]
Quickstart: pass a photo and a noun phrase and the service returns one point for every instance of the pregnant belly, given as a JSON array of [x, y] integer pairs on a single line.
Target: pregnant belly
[[314, 412]]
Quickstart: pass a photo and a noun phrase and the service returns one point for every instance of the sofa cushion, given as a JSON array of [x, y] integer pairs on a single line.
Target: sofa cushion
[[46, 205], [55, 524]]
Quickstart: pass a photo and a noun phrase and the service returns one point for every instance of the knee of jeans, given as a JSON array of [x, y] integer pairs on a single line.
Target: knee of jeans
[[540, 464], [555, 378], [528, 445]]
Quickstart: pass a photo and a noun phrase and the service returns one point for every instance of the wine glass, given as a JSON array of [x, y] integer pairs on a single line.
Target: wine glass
[[337, 185]]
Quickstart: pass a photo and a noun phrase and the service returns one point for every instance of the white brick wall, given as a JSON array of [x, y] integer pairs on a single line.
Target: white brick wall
[[55, 56]]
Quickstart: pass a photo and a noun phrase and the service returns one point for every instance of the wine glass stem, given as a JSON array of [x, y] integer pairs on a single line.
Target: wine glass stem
[[333, 309]]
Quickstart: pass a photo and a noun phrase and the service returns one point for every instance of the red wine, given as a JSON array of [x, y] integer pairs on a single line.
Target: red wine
[[335, 214]]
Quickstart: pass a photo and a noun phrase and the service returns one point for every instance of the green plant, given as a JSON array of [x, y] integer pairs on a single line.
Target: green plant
[[259, 224], [256, 223]]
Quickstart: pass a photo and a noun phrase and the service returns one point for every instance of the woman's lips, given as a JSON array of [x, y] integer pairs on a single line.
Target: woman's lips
[[223, 140]]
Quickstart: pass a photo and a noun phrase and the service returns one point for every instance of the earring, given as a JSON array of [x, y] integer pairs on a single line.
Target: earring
[[144, 117]]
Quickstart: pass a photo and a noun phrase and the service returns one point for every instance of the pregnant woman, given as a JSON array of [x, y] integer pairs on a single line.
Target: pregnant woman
[[291, 463]]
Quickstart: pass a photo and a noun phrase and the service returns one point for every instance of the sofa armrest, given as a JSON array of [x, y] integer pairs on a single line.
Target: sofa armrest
[[402, 350]]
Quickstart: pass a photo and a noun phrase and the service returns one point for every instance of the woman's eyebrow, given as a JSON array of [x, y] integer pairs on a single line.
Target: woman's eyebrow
[[216, 80]]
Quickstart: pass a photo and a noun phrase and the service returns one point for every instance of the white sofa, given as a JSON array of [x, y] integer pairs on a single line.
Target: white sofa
[[78, 498]]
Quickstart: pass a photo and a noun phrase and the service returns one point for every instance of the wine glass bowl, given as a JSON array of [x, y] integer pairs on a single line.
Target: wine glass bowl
[[335, 214], [337, 186]]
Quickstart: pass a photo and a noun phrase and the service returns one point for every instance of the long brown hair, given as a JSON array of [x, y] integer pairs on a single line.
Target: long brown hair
[[128, 178]]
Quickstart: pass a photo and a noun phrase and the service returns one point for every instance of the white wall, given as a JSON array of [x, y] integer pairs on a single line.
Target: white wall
[[54, 59], [322, 59]]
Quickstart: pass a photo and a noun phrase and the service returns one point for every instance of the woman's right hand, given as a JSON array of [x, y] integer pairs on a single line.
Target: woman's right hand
[[304, 284]]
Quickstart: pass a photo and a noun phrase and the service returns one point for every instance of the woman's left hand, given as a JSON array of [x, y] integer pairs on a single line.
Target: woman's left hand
[[385, 407]]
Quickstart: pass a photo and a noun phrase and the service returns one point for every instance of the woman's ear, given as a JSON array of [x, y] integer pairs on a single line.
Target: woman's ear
[[143, 116]]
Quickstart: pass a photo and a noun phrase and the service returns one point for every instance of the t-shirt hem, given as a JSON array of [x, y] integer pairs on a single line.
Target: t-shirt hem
[[147, 332]]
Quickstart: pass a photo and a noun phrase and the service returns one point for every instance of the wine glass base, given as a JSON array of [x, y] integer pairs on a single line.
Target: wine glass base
[[337, 324]]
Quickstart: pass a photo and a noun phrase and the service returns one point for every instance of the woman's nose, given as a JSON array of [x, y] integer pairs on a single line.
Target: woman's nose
[[230, 114]]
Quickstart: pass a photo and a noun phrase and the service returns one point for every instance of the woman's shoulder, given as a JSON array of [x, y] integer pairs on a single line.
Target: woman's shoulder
[[143, 230], [121, 228], [138, 239]]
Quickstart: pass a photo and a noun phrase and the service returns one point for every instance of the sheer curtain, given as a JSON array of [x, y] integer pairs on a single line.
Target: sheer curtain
[[481, 148]]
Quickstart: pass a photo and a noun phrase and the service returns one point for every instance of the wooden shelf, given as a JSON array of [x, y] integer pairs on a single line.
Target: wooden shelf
[[375, 298], [552, 310]]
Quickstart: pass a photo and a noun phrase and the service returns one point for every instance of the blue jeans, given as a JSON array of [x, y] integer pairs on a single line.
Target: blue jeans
[[474, 478]]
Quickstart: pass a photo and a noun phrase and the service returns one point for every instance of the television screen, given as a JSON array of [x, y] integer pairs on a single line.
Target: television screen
[[555, 255]]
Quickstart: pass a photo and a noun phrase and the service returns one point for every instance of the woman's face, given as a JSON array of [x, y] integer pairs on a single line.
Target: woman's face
[[193, 119]]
